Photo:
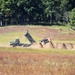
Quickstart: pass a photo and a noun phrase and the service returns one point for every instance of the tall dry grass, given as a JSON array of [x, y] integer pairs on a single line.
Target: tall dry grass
[[36, 67], [36, 70]]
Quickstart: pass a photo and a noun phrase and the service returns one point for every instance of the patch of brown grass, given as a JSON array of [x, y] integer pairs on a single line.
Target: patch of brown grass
[[36, 64], [34, 69]]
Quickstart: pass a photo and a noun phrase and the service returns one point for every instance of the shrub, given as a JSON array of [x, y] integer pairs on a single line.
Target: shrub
[[72, 17]]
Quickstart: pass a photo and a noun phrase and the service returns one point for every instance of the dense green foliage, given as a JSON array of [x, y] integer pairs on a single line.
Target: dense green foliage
[[30, 11], [72, 17]]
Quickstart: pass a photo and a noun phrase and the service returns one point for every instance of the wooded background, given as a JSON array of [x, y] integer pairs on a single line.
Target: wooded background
[[37, 11]]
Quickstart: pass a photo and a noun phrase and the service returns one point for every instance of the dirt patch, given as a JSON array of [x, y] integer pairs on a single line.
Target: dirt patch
[[48, 45], [61, 46], [36, 45], [69, 46]]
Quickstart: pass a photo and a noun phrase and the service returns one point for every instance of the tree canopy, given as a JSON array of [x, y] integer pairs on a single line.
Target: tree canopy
[[72, 17], [31, 11]]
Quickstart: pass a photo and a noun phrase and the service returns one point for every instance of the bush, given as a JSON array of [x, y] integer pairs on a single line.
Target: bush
[[72, 17]]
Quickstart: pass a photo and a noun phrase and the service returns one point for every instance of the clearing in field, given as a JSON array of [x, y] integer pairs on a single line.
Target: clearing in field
[[60, 39], [37, 61]]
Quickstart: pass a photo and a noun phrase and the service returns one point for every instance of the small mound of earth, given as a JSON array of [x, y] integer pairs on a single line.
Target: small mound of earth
[[61, 46], [48, 45], [69, 46], [36, 45], [73, 46]]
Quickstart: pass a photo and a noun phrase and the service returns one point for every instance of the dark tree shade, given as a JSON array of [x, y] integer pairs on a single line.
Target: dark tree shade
[[35, 11]]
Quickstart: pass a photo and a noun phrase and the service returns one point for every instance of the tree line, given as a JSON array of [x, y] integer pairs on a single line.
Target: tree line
[[37, 11]]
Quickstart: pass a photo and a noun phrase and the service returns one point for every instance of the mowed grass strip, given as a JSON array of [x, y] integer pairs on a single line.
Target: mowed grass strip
[[8, 37], [41, 50]]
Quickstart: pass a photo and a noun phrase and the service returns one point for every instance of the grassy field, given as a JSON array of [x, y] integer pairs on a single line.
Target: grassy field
[[23, 61], [8, 37], [41, 50], [10, 33], [29, 61]]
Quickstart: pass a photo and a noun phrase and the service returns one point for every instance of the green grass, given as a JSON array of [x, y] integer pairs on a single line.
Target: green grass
[[64, 41], [65, 29], [8, 37], [58, 27], [30, 50]]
